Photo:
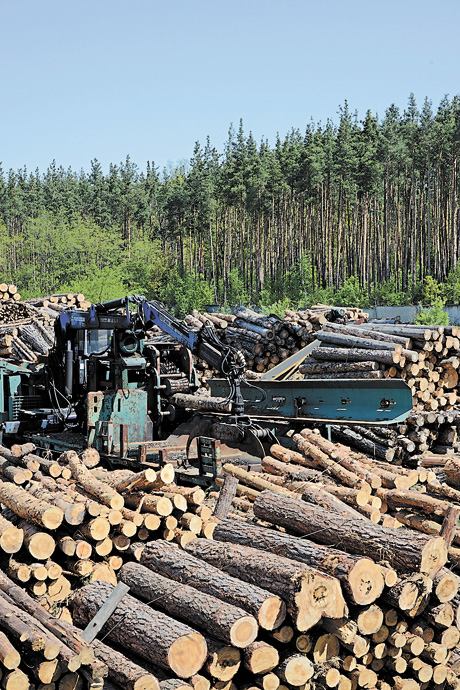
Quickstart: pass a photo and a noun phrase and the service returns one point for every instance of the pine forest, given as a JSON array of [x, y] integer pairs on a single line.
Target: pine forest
[[349, 211]]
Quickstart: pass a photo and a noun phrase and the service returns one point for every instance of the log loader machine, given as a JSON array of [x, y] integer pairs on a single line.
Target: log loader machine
[[106, 385]]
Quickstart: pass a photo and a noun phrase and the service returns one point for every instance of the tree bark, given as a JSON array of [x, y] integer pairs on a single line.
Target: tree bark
[[26, 506], [226, 496], [148, 633], [124, 671], [226, 622], [319, 368], [344, 354], [104, 493], [309, 594], [403, 549], [162, 557], [361, 578]]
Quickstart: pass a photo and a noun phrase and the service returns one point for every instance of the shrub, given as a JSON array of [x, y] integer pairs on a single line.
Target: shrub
[[434, 316]]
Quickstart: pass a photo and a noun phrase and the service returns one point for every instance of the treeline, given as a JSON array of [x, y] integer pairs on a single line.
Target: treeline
[[360, 209]]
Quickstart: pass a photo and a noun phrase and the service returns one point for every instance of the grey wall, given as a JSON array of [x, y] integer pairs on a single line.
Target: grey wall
[[408, 314]]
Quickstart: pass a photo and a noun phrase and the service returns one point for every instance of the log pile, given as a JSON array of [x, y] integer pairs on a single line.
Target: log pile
[[70, 520], [9, 292], [57, 303], [426, 357], [265, 341], [26, 328], [304, 584], [387, 534]]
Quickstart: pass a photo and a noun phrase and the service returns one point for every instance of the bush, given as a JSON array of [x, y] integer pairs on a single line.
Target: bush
[[185, 293], [351, 294], [278, 307], [434, 316]]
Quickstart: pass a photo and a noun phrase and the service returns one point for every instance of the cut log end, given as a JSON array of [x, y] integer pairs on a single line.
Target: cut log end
[[272, 613], [261, 658], [147, 682], [11, 660], [41, 546], [11, 540], [296, 670], [187, 655], [224, 662], [52, 518], [434, 556], [366, 581], [244, 631]]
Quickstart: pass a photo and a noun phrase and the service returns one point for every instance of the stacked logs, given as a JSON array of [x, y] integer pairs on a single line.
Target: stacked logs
[[304, 584], [27, 328], [67, 520], [320, 314], [60, 302], [358, 516], [424, 356], [270, 606], [9, 292], [25, 332], [265, 341], [36, 647]]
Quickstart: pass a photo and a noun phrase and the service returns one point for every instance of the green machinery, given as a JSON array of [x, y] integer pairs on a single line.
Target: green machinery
[[106, 386]]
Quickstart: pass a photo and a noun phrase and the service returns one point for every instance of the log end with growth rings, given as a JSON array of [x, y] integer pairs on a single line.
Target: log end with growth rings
[[366, 581], [187, 655], [244, 631], [272, 613], [434, 556]]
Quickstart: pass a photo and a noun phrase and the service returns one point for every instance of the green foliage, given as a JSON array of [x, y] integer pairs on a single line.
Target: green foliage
[[451, 288], [352, 293], [435, 316], [106, 284], [279, 307], [187, 292], [431, 291], [236, 292], [387, 293]]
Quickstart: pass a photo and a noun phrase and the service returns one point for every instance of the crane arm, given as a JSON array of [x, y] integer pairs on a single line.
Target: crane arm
[[203, 343]]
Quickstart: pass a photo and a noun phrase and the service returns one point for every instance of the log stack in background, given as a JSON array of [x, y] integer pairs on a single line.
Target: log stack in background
[[265, 341], [27, 327], [9, 292], [426, 357]]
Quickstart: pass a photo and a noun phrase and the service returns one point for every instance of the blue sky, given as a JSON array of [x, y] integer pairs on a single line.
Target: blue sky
[[83, 80]]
